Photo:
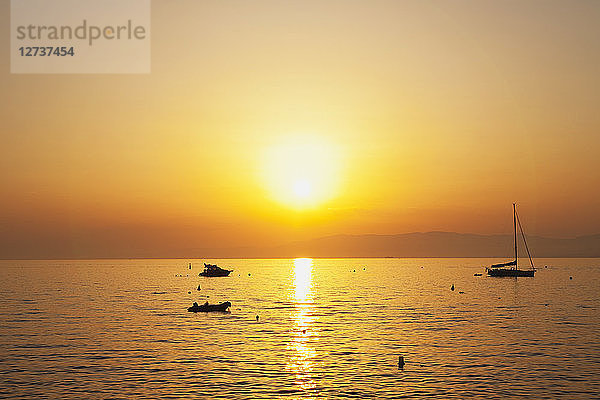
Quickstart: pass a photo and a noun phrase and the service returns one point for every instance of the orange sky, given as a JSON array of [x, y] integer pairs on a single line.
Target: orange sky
[[429, 116]]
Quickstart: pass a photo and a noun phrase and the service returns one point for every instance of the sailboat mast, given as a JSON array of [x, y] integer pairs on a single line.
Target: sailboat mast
[[515, 230], [525, 241]]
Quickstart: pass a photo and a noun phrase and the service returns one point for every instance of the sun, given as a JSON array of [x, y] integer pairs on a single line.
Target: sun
[[301, 172], [302, 189]]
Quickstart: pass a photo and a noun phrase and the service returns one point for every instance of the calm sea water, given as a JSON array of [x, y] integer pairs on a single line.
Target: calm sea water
[[327, 328]]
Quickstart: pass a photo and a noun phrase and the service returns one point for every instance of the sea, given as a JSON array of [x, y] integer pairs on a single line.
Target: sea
[[299, 329]]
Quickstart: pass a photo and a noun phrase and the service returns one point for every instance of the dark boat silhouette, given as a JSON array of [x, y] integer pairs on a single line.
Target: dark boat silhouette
[[221, 307], [212, 270], [511, 268]]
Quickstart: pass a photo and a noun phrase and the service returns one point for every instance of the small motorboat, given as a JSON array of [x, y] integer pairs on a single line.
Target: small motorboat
[[221, 307], [212, 270]]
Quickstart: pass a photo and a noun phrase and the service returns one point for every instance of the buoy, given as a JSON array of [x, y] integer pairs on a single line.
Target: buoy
[[354, 271], [190, 265], [198, 287], [304, 331], [570, 277], [452, 287], [189, 292], [400, 362], [248, 274], [257, 317]]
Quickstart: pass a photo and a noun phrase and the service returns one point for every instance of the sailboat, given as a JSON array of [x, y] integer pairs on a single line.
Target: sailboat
[[511, 268]]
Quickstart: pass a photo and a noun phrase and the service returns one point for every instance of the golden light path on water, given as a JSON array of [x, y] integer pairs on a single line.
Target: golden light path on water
[[302, 353]]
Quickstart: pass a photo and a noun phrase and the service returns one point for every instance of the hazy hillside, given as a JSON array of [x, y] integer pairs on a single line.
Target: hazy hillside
[[418, 244], [428, 244]]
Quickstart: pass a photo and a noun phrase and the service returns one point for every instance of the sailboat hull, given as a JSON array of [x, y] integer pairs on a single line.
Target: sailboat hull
[[501, 272]]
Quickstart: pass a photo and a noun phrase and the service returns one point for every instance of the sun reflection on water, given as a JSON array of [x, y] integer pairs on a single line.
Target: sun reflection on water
[[303, 279], [301, 361]]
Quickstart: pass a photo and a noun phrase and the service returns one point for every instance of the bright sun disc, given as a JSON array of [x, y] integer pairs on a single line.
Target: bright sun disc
[[302, 189], [301, 172]]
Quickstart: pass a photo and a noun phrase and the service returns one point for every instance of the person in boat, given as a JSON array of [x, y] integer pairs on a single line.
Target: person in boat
[[195, 304], [206, 304]]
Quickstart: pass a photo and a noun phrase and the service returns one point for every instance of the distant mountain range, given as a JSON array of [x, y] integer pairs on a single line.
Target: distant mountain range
[[418, 244]]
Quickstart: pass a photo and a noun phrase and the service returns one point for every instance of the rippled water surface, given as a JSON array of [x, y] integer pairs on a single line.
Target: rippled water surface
[[327, 328]]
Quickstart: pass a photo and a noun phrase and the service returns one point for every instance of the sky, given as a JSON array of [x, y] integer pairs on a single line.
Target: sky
[[266, 122]]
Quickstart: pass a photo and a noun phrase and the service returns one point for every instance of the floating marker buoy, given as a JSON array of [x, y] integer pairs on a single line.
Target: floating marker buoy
[[401, 362], [452, 287], [198, 287], [189, 292], [570, 277], [257, 317], [248, 274]]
